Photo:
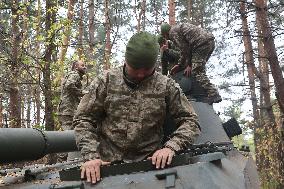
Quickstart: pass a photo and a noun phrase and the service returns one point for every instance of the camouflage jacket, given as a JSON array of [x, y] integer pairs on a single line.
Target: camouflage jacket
[[169, 58], [116, 122], [71, 93], [188, 37]]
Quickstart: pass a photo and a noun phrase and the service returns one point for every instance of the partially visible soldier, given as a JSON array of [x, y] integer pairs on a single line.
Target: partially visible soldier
[[71, 93], [169, 54], [121, 117], [196, 46]]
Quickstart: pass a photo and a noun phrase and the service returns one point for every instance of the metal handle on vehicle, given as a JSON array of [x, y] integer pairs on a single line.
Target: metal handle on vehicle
[[170, 177]]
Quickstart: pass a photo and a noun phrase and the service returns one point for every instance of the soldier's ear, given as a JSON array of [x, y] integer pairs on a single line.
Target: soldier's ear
[[76, 67]]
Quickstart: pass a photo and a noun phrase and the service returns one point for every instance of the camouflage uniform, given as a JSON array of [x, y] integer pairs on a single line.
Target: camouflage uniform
[[71, 93], [196, 45], [169, 58], [118, 120]]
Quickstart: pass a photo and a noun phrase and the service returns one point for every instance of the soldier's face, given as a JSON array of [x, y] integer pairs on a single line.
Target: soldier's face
[[166, 35], [81, 67], [139, 74]]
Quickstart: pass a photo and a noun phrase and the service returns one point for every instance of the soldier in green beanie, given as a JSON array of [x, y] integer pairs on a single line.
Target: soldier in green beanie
[[169, 54], [196, 46], [142, 51], [121, 117]]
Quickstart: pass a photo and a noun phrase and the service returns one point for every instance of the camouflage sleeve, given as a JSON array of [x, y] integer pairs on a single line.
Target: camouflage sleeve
[[184, 117], [164, 64], [176, 36], [87, 119], [175, 54], [73, 82]]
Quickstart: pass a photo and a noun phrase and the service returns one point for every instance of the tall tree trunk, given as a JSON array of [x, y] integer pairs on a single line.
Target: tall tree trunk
[[107, 41], [81, 30], [27, 100], [258, 129], [197, 13], [249, 61], [138, 18], [67, 31], [50, 20], [172, 17], [156, 16], [15, 102], [266, 108], [1, 111], [37, 105], [23, 120], [269, 46], [29, 104], [91, 29], [143, 11], [276, 137], [37, 89], [189, 10], [141, 18]]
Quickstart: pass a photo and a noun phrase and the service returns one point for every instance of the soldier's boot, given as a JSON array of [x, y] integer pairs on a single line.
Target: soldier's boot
[[213, 95], [214, 99]]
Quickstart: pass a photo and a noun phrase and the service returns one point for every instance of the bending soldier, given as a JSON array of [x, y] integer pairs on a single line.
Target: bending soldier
[[169, 54], [71, 93], [196, 46], [121, 117]]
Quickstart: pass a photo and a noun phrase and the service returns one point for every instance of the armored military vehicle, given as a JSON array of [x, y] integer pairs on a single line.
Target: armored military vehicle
[[211, 163]]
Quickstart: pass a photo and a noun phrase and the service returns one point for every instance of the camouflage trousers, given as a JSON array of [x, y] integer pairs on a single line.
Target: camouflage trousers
[[199, 58], [66, 122]]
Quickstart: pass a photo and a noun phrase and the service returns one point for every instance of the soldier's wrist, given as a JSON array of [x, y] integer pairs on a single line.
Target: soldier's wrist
[[91, 156], [169, 147], [173, 146]]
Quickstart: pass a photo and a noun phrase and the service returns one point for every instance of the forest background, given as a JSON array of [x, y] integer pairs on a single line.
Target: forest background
[[39, 39]]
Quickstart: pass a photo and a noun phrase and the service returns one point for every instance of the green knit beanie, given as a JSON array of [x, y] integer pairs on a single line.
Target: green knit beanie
[[165, 28], [142, 50]]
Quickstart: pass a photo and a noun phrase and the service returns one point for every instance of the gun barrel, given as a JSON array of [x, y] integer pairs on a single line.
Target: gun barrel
[[22, 144]]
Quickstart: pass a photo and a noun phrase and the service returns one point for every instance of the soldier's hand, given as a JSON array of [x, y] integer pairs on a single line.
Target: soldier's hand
[[174, 70], [187, 71], [162, 157], [164, 47], [91, 169]]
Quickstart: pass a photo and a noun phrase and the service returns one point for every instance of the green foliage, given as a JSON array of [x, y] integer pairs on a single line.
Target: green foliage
[[271, 184], [38, 126]]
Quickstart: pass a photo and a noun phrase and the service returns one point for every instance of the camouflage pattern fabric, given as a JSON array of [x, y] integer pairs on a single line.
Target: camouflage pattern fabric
[[196, 46], [115, 122], [71, 93], [169, 58], [66, 122], [199, 59]]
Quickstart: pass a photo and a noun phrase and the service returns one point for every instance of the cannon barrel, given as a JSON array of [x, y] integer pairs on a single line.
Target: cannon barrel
[[22, 144]]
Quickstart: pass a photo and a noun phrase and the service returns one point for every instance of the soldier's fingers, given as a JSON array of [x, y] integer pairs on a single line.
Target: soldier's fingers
[[105, 163], [158, 162], [88, 175], [83, 173], [93, 175], [170, 157], [98, 172], [154, 157], [164, 160]]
